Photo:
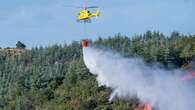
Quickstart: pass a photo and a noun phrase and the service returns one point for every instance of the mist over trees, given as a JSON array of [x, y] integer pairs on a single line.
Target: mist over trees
[[55, 77]]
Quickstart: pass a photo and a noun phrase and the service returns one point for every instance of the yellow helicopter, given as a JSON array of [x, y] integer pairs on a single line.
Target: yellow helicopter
[[85, 15]]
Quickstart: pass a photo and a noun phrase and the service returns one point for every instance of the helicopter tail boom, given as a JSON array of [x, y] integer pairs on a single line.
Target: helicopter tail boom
[[97, 14]]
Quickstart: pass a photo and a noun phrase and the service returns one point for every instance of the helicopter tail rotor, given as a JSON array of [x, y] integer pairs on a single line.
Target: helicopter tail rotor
[[98, 12]]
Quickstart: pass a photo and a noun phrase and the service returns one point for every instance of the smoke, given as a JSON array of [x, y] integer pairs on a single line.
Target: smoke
[[132, 77]]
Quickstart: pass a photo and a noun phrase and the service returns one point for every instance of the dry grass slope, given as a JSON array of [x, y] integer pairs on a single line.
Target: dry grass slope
[[11, 51]]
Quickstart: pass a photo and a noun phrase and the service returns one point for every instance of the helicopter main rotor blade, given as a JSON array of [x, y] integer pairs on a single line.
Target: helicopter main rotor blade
[[72, 6], [84, 7], [92, 7]]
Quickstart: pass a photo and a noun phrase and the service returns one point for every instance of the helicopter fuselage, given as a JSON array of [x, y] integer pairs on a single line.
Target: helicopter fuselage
[[83, 15]]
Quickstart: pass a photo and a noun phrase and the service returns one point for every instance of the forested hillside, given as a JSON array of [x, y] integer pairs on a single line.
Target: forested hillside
[[55, 77]]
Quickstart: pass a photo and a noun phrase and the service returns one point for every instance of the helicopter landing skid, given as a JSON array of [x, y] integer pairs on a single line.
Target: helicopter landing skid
[[84, 21]]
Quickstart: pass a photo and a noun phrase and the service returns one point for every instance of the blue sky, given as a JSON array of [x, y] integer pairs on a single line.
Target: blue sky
[[46, 22]]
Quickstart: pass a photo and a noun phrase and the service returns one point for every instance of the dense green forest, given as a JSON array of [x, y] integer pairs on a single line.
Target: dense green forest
[[55, 77]]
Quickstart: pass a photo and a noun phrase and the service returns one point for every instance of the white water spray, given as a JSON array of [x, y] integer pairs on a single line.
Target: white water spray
[[130, 77]]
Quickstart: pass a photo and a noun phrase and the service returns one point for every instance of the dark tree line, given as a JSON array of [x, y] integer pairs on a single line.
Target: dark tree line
[[55, 77]]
